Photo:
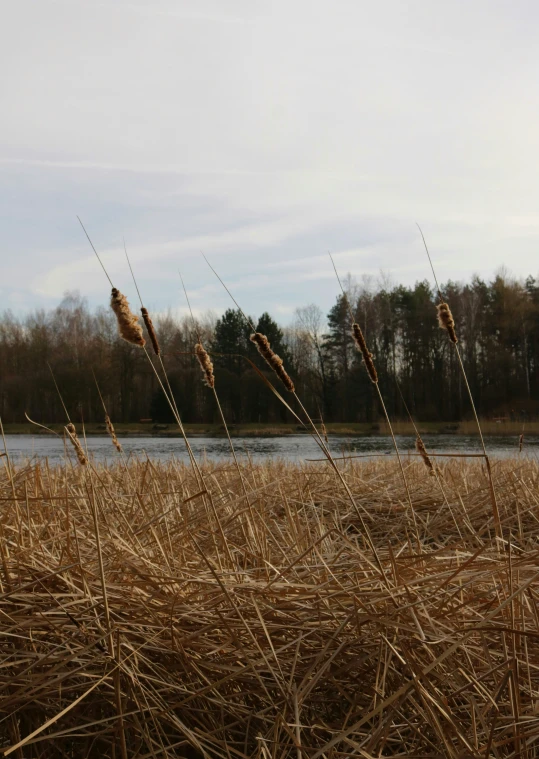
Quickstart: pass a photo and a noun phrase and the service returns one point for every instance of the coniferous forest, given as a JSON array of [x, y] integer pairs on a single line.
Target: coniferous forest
[[497, 324]]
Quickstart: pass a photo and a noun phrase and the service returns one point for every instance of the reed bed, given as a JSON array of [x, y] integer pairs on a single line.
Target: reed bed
[[137, 621]]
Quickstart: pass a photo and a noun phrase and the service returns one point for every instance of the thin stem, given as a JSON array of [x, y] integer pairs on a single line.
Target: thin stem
[[249, 322], [58, 391], [221, 413], [95, 251], [346, 299], [497, 521], [430, 262], [132, 274]]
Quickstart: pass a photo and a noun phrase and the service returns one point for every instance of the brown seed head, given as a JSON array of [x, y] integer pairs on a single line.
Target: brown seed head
[[446, 321], [112, 433], [324, 432], [128, 325], [271, 358], [520, 443], [151, 330], [205, 364], [79, 450], [420, 448], [367, 355]]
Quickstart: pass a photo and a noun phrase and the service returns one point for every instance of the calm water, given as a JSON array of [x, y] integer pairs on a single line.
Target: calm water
[[291, 447]]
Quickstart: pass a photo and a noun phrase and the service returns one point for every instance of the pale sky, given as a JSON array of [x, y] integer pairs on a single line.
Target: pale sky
[[264, 133]]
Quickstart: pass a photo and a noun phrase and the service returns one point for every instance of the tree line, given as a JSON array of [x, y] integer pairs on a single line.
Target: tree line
[[497, 324]]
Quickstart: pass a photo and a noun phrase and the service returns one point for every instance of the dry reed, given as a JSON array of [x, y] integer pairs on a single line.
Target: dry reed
[[205, 364], [272, 359], [151, 330], [112, 433], [420, 448], [367, 355], [446, 321], [128, 326], [304, 639], [79, 450]]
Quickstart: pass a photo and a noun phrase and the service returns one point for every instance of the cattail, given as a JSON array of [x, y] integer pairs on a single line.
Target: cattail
[[446, 321], [79, 450], [324, 432], [112, 433], [151, 330], [128, 325], [367, 355], [271, 358], [205, 364], [520, 443], [420, 448]]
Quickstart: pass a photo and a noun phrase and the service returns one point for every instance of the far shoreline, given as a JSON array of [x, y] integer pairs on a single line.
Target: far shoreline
[[339, 429]]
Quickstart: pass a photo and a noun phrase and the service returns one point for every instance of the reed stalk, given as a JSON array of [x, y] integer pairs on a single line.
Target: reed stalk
[[447, 322]]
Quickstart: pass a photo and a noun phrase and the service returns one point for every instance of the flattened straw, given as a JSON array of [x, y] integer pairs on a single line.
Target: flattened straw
[[79, 450], [205, 364], [128, 326], [272, 359]]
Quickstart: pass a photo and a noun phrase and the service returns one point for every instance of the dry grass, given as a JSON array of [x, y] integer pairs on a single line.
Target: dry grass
[[266, 629]]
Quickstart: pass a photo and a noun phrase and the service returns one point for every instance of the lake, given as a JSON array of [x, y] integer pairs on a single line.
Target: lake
[[290, 447]]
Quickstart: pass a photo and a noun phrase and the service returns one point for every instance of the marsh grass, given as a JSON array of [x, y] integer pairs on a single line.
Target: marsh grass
[[293, 643]]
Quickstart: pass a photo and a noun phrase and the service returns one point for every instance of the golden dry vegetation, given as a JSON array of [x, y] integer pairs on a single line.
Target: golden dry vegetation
[[151, 610]]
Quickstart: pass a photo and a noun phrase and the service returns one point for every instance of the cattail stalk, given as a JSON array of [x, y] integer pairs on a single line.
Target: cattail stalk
[[272, 359], [520, 442], [205, 364], [79, 450], [128, 326], [420, 448], [112, 433], [151, 330], [446, 321]]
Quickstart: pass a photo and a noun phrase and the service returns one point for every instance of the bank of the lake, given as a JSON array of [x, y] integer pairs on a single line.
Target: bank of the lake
[[490, 427]]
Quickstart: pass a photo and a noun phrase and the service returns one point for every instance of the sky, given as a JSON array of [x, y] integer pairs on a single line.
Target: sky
[[263, 135]]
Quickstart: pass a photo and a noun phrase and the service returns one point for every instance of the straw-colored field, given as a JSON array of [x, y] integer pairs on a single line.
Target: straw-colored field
[[234, 626]]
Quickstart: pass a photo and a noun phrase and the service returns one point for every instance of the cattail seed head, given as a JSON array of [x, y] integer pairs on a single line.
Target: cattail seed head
[[205, 364], [367, 355], [446, 321], [276, 362], [79, 450], [112, 433], [324, 432], [151, 330], [128, 325], [520, 442], [420, 448]]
